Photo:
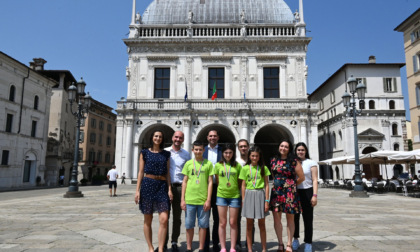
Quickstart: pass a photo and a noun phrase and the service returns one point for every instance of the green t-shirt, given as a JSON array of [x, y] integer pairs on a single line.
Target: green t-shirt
[[196, 192], [224, 190], [245, 175]]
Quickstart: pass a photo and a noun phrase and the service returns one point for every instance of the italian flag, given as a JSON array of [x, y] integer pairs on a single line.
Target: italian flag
[[214, 96]]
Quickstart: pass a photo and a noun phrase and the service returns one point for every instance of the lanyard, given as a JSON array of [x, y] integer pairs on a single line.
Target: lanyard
[[199, 171], [256, 173], [227, 173]]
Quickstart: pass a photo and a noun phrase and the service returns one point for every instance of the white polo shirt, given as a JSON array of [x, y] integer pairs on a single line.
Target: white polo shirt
[[178, 159]]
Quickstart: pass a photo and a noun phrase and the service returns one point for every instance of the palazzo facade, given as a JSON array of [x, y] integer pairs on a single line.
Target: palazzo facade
[[252, 53]]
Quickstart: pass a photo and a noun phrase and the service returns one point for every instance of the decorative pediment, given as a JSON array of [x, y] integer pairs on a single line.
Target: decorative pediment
[[371, 133]]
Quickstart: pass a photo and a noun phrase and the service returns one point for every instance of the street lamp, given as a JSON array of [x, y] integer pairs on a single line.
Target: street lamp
[[77, 94], [349, 102]]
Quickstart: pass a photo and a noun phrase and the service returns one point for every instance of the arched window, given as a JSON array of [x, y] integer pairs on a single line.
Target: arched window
[[391, 104], [371, 104], [396, 147], [361, 104], [334, 141], [332, 113], [36, 102], [12, 93], [395, 129]]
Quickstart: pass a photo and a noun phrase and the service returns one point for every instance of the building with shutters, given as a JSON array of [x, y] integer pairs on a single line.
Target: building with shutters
[[381, 126]]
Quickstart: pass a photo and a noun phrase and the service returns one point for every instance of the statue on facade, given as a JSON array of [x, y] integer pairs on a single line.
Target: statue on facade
[[243, 17], [127, 73], [138, 18], [297, 17], [243, 31], [190, 17]]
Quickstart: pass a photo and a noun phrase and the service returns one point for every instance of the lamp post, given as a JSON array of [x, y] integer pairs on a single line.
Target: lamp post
[[77, 94], [349, 102]]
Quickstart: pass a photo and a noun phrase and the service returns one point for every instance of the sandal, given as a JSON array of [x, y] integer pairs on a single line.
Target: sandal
[[281, 248], [289, 246]]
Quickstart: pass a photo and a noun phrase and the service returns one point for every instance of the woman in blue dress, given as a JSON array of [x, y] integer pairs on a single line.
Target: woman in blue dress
[[153, 192]]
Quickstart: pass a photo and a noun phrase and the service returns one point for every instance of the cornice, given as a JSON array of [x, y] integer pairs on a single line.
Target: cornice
[[217, 40]]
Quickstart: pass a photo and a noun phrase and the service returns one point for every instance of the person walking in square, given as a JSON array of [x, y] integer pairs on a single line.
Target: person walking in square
[[308, 193], [153, 191], [178, 158], [112, 177], [228, 195], [255, 195], [197, 187], [123, 179], [287, 174]]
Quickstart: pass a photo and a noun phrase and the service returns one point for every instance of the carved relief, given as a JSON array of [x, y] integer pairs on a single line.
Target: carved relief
[[299, 72], [160, 48]]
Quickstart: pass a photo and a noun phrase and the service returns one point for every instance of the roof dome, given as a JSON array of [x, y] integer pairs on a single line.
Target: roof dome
[[217, 12]]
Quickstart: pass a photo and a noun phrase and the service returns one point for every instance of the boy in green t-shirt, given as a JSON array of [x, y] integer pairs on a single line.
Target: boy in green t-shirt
[[197, 187]]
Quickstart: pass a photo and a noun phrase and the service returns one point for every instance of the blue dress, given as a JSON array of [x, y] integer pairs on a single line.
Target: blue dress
[[154, 193]]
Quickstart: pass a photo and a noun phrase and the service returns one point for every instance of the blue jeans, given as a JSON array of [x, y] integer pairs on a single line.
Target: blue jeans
[[196, 211]]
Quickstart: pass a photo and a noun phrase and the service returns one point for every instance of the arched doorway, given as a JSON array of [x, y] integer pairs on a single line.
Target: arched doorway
[[337, 173], [370, 170], [145, 136], [29, 168], [268, 139], [225, 134]]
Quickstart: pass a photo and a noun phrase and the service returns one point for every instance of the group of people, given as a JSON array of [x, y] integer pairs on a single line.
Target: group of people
[[217, 182]]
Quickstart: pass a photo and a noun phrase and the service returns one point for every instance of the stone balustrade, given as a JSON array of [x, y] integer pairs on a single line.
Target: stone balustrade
[[201, 32], [213, 105]]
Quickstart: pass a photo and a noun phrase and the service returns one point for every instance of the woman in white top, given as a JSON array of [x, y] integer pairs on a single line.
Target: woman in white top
[[307, 190]]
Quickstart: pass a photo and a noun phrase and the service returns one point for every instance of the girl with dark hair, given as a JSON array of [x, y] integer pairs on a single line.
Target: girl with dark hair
[[308, 196], [153, 191], [284, 198], [228, 194], [255, 195]]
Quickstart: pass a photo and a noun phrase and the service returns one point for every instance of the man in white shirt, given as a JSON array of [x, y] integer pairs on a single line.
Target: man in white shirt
[[243, 147], [112, 177], [178, 158]]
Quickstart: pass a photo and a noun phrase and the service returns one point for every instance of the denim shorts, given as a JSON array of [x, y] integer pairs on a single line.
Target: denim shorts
[[235, 202], [196, 211]]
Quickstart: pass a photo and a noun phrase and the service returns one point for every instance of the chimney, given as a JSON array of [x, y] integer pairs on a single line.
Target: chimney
[[372, 59], [37, 64]]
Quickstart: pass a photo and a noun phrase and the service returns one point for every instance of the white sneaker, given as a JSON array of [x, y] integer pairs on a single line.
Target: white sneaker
[[308, 247], [295, 244]]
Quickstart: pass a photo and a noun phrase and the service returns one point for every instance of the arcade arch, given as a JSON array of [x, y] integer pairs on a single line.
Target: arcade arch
[[225, 134], [268, 139], [370, 170]]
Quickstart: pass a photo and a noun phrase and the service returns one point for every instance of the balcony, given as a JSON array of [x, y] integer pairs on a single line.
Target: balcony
[[208, 105]]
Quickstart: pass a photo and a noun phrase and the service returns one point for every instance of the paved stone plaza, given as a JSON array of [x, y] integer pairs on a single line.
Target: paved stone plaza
[[42, 220]]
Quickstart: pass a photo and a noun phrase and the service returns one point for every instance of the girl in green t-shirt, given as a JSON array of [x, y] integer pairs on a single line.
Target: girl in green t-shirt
[[228, 194], [255, 194]]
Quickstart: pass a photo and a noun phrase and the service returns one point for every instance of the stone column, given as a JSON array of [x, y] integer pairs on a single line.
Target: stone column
[[135, 161], [228, 90], [245, 127], [303, 131], [119, 146], [260, 84], [128, 148], [282, 80], [187, 135]]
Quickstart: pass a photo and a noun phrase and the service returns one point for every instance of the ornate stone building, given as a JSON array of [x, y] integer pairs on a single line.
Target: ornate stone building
[[381, 126], [252, 52]]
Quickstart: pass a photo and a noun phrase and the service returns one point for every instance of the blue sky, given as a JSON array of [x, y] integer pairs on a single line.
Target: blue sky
[[85, 37]]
